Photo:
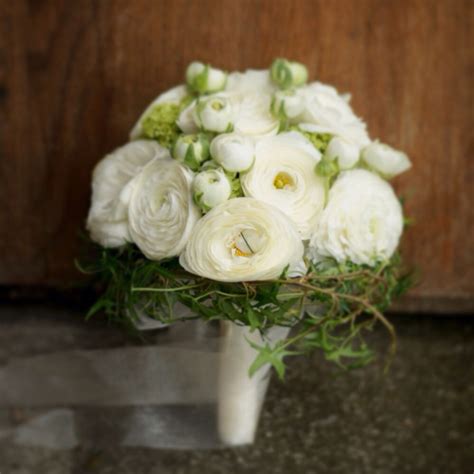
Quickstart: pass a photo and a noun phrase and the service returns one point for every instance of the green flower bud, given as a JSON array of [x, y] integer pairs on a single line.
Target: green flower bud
[[204, 79], [210, 165], [234, 152], [286, 74], [211, 188], [192, 150], [327, 168], [214, 114], [160, 124]]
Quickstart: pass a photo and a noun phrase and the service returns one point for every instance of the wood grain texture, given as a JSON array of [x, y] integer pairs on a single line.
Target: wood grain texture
[[74, 76]]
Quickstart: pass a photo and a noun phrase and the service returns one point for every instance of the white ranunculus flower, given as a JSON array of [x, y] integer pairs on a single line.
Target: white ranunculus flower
[[161, 212], [107, 221], [249, 95], [250, 82], [251, 92], [234, 152], [385, 160], [362, 221], [253, 115], [172, 96], [344, 151], [214, 113], [326, 108], [186, 120], [283, 175], [243, 239], [211, 188]]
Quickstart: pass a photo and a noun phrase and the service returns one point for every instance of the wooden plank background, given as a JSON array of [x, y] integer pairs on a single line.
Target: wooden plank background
[[74, 76]]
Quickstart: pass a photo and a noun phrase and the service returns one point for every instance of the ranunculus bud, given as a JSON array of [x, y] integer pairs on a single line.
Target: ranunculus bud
[[210, 188], [326, 168], [192, 150], [287, 104], [345, 152], [204, 79], [287, 74], [234, 152], [214, 114], [385, 160]]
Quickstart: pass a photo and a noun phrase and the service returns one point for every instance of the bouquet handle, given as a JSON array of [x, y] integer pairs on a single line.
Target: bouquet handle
[[240, 397]]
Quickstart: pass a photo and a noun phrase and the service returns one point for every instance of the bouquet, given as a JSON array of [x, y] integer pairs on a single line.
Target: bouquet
[[254, 198]]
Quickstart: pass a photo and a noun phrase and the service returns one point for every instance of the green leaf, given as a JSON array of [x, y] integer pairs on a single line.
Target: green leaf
[[349, 299], [270, 355], [252, 318]]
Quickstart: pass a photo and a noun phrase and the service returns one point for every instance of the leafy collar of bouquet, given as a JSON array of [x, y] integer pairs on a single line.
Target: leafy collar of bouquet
[[253, 197]]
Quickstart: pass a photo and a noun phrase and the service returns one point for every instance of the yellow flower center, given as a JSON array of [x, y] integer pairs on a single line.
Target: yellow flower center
[[217, 105], [283, 181], [245, 244], [239, 252]]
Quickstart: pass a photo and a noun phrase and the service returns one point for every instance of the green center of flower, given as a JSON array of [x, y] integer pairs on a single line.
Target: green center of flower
[[284, 181], [217, 105]]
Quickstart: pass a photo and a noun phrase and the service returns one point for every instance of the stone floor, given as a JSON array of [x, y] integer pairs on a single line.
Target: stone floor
[[418, 418]]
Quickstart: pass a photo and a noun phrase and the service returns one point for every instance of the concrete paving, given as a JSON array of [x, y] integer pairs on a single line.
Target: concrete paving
[[419, 418]]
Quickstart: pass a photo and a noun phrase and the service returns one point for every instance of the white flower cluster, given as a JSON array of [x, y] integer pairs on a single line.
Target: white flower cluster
[[245, 175]]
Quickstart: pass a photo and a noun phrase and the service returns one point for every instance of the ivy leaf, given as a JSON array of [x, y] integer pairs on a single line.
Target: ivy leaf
[[270, 355]]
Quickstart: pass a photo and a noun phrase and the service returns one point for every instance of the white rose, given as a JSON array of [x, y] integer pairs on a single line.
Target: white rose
[[283, 175], [344, 151], [211, 188], [172, 96], [214, 113], [242, 240], [326, 108], [203, 78], [107, 221], [385, 160], [234, 152], [161, 212], [362, 221]]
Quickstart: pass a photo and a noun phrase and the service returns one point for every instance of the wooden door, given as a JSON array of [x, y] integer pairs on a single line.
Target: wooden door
[[74, 76]]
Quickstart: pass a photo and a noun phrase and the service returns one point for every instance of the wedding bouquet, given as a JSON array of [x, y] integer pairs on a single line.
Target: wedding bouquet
[[254, 198]]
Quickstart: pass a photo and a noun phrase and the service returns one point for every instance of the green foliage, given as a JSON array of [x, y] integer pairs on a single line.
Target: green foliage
[[235, 184], [330, 308], [319, 140]]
